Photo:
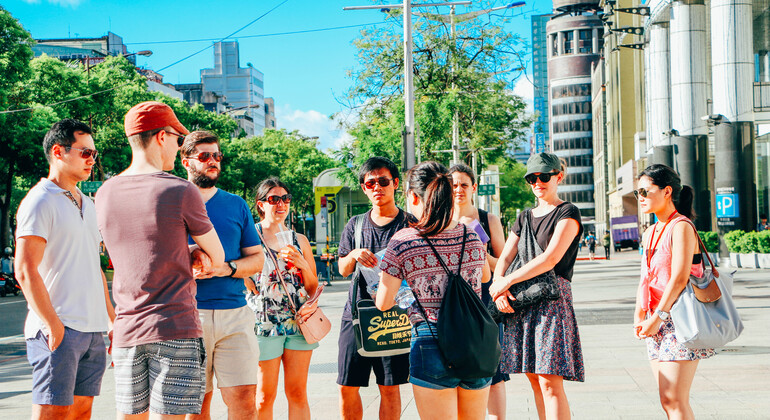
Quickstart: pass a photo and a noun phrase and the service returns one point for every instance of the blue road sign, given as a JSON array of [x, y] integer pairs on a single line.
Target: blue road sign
[[727, 206]]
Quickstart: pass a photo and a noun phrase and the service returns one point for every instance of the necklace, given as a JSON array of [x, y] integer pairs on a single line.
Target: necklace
[[651, 250]]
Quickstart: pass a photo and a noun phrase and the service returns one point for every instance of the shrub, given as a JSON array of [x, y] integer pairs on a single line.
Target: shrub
[[749, 243], [711, 241], [733, 240], [104, 261], [763, 241]]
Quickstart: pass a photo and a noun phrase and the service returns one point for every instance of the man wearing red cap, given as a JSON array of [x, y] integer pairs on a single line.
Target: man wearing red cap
[[145, 216]]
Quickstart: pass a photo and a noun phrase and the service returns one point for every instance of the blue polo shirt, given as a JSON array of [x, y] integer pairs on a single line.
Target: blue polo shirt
[[234, 224]]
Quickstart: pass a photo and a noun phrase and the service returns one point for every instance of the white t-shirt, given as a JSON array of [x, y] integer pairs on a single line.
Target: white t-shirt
[[70, 265]]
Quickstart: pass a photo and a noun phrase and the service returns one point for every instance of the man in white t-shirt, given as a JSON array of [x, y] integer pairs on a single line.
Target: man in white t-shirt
[[57, 265]]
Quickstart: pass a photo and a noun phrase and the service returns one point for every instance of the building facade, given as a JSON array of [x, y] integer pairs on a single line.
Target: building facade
[[574, 39], [540, 138], [241, 87], [270, 114]]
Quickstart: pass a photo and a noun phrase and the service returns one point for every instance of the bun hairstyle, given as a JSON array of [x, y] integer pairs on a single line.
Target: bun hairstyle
[[463, 169], [664, 176], [264, 188], [432, 183]]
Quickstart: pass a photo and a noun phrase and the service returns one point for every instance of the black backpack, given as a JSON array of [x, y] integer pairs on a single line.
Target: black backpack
[[467, 336]]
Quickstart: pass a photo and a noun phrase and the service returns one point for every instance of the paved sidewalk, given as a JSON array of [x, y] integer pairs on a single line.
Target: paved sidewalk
[[619, 383]]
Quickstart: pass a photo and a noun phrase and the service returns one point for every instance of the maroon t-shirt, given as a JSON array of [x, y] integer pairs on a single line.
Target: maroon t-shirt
[[144, 221]]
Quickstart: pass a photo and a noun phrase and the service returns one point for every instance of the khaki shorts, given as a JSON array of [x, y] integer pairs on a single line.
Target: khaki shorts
[[232, 350]]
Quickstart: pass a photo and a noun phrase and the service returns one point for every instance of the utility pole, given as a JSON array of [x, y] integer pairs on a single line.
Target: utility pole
[[410, 155]]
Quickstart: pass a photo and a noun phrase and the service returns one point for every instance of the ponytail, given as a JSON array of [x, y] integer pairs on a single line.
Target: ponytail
[[684, 203], [431, 182]]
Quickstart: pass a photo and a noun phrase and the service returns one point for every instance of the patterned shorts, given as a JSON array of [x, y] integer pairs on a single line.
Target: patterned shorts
[[663, 346], [167, 377]]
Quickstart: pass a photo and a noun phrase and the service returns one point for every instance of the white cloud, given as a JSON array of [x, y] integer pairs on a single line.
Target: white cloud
[[311, 123], [526, 90]]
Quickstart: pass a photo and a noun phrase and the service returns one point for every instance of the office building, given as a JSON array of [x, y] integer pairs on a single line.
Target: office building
[[540, 127]]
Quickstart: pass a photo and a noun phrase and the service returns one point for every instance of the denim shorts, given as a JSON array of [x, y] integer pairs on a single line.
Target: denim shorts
[[76, 367], [427, 368]]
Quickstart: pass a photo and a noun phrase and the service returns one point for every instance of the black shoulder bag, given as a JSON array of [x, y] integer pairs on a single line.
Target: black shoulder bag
[[378, 333], [531, 291], [467, 336]]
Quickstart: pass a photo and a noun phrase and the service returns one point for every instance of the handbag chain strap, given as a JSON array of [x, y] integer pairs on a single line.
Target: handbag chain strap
[[278, 272]]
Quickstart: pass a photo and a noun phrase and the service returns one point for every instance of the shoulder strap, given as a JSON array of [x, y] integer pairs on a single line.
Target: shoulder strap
[[441, 260], [278, 272], [359, 229], [702, 247]]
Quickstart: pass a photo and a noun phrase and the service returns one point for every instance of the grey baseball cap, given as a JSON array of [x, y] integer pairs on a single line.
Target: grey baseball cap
[[543, 163]]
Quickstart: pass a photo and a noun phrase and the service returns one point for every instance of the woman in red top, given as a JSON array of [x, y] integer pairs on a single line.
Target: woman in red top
[[671, 254]]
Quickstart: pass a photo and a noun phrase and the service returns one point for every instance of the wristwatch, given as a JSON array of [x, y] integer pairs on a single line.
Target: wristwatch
[[662, 315], [233, 267]]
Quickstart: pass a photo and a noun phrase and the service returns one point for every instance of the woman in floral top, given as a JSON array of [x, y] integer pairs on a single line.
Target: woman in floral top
[[438, 393], [280, 339]]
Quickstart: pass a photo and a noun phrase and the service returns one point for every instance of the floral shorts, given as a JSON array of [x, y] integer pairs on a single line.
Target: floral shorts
[[663, 346]]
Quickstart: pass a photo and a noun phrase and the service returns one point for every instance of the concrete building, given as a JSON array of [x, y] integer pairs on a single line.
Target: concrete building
[[270, 114], [541, 138], [241, 87], [575, 39], [708, 104]]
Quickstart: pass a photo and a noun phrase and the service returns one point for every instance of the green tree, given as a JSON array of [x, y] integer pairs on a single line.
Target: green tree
[[516, 194], [470, 75]]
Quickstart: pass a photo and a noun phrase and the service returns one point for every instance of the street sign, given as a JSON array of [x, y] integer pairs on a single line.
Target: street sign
[[89, 187], [539, 143], [486, 189], [727, 206]]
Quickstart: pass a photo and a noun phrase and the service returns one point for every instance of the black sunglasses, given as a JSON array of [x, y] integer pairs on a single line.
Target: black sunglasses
[[641, 191], [84, 153], [205, 156], [383, 181], [544, 177], [179, 137], [274, 199]]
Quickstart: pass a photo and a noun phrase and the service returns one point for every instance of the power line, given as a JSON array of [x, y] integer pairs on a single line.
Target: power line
[[259, 35], [170, 65]]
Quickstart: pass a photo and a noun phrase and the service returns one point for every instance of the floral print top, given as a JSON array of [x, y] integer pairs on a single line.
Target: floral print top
[[275, 315]]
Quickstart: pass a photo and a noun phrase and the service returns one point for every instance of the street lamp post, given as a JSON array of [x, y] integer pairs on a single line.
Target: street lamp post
[[410, 157]]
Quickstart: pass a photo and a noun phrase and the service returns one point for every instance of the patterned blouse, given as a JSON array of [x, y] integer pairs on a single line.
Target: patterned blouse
[[275, 316], [409, 257]]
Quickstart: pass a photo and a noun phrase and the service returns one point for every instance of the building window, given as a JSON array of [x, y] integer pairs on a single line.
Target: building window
[[568, 36], [600, 40], [584, 44], [554, 45]]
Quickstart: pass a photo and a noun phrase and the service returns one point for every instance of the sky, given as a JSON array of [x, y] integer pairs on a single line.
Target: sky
[[306, 73]]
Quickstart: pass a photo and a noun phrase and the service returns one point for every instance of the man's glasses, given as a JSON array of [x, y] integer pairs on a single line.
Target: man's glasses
[[85, 153], [179, 137], [641, 191], [275, 199], [383, 181], [544, 177], [205, 156]]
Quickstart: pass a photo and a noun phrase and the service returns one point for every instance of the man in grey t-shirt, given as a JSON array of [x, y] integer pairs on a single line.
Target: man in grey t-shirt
[[145, 216]]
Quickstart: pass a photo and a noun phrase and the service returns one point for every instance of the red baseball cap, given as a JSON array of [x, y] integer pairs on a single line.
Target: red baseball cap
[[151, 115]]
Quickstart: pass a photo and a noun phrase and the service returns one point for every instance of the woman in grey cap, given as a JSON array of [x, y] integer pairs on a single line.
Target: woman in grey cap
[[542, 340]]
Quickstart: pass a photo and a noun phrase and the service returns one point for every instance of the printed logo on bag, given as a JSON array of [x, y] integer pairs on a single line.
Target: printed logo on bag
[[391, 328]]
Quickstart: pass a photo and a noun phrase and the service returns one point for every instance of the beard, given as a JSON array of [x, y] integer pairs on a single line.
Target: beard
[[204, 181]]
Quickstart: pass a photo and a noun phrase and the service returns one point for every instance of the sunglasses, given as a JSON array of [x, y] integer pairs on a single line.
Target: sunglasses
[[179, 138], [641, 191], [384, 182], [275, 199], [85, 153], [545, 177], [205, 156]]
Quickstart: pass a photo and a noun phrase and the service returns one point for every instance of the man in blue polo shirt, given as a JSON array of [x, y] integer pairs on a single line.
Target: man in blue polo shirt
[[232, 350]]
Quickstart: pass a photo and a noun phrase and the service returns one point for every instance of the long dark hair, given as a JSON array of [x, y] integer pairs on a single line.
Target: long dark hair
[[264, 188], [682, 195], [433, 184], [463, 169]]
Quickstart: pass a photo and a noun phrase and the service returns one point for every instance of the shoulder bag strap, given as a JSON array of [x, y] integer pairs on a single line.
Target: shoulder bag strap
[[357, 234], [278, 272], [703, 248], [359, 229]]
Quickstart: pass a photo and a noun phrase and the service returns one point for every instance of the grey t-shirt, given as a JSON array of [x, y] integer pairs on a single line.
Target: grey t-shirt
[[374, 238], [144, 221]]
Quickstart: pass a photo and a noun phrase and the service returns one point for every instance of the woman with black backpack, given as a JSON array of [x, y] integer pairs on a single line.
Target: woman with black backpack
[[427, 255], [541, 339]]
